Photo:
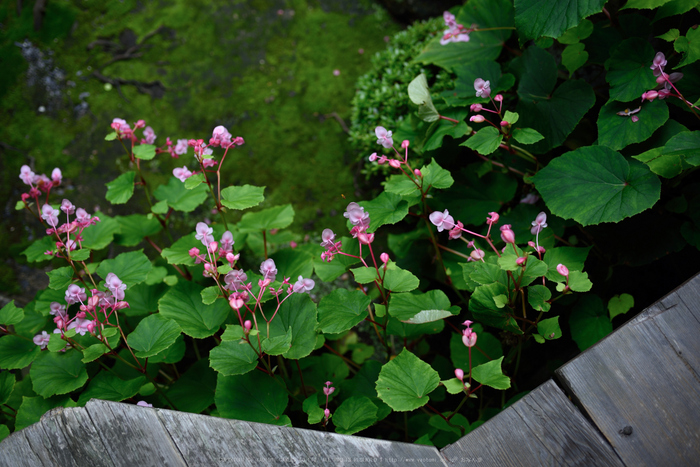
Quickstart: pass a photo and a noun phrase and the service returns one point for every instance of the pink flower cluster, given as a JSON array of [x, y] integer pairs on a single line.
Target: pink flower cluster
[[665, 81], [455, 32], [203, 151]]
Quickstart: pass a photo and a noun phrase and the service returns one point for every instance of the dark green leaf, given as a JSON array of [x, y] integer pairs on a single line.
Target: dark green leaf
[[589, 322], [405, 382], [435, 176], [617, 131], [491, 374], [33, 408], [184, 305], [132, 267], [538, 297], [58, 373], [7, 384], [297, 313], [485, 141], [535, 18], [387, 208], [354, 414], [620, 304], [487, 348], [17, 353], [574, 57], [629, 74], [98, 236], [10, 314], [278, 345], [153, 335], [107, 386], [233, 358], [278, 217], [178, 253], [577, 33], [404, 306], [135, 227], [195, 389], [693, 52], [253, 397], [399, 280]]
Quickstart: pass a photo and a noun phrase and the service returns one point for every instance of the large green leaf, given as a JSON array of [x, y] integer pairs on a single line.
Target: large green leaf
[[617, 131], [109, 387], [184, 305], [132, 267], [242, 197], [153, 334], [135, 227], [194, 391], [596, 184], [387, 208], [297, 313], [553, 113], [419, 93], [58, 373], [485, 141], [233, 357], [33, 408], [180, 198], [145, 152], [491, 374], [178, 253], [399, 280], [253, 397], [354, 414], [37, 250], [667, 164], [535, 18], [404, 306], [629, 74], [17, 353], [342, 309], [646, 4], [484, 45], [7, 384], [121, 189], [278, 217], [589, 322], [685, 145], [405, 382], [60, 278], [100, 235], [10, 314]]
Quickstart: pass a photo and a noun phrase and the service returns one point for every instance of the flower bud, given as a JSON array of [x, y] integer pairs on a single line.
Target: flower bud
[[212, 247], [327, 414], [498, 98], [365, 238], [459, 374], [521, 261], [477, 255], [373, 157], [405, 143], [493, 219], [247, 325], [328, 390], [476, 107], [563, 270], [507, 234], [417, 173], [469, 337], [194, 252], [504, 123], [236, 302], [395, 163], [384, 257], [477, 118]]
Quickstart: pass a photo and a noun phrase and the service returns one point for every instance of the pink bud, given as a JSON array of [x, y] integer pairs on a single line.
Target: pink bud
[[417, 173], [236, 302], [469, 337], [521, 261], [477, 255], [247, 325], [327, 414], [507, 234], [395, 163], [365, 238], [650, 95], [477, 118], [373, 157], [194, 252], [328, 391], [498, 98], [476, 107], [634, 118], [213, 246], [459, 374], [384, 257], [405, 143], [493, 219], [563, 270], [504, 123]]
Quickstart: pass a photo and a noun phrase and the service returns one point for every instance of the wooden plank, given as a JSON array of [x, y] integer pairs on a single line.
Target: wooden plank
[[207, 441], [133, 435], [16, 451], [640, 385], [542, 428]]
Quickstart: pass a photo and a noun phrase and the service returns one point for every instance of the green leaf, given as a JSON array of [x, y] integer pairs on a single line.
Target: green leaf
[[153, 335], [675, 7], [161, 207], [132, 267], [419, 93], [179, 252], [578, 281], [485, 310], [354, 414], [491, 374], [435, 176], [511, 117], [194, 181], [10, 314], [135, 227], [56, 343], [98, 236], [453, 386], [109, 387], [111, 136], [278, 345], [172, 354], [17, 353], [94, 352], [553, 113], [571, 257], [693, 52], [298, 314], [436, 133], [405, 382], [538, 297], [233, 358], [121, 189], [670, 35], [33, 408], [180, 198], [535, 18], [278, 217], [195, 389], [612, 187], [589, 322], [253, 397], [428, 316], [143, 299], [184, 305], [145, 152], [310, 407], [404, 306], [342, 309], [617, 132], [295, 262], [574, 57], [646, 4], [210, 294], [577, 33], [58, 373], [36, 251], [685, 145], [364, 275], [629, 74], [399, 280], [387, 208], [7, 384], [242, 197], [485, 141], [80, 255], [549, 328], [487, 14], [527, 135], [620, 304]]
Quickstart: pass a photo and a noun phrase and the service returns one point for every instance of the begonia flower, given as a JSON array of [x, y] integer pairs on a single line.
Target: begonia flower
[[303, 285], [182, 173], [384, 137], [204, 233], [442, 220], [268, 269], [42, 340], [483, 88]]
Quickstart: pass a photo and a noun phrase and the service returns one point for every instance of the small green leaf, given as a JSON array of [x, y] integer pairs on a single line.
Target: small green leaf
[[428, 316], [693, 52], [404, 306], [549, 328], [111, 136], [511, 117], [37, 250], [453, 386], [686, 145], [7, 384], [210, 294], [491, 374], [94, 352], [58, 373], [538, 297], [33, 408], [670, 35], [620, 304], [578, 281], [364, 275], [619, 131], [194, 181], [278, 217], [405, 382], [278, 345], [121, 189], [644, 4], [311, 407], [233, 358], [589, 322], [342, 309], [153, 334], [577, 33], [80, 255], [184, 305], [56, 343], [354, 414], [60, 278], [298, 314], [485, 141], [161, 207], [387, 208], [574, 57], [10, 314], [145, 152], [419, 93], [399, 280], [435, 176], [180, 198], [527, 135], [242, 197], [99, 236]]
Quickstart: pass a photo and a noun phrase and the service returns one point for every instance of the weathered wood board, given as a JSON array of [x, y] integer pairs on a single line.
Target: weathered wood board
[[112, 434], [542, 428], [640, 385]]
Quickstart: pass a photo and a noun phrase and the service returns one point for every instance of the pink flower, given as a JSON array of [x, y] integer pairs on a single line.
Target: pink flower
[[468, 335], [182, 173], [181, 147], [384, 137], [227, 242], [206, 163], [450, 20], [42, 339], [115, 285], [57, 309], [529, 198], [493, 219], [459, 374], [357, 216], [483, 88], [539, 223], [456, 232], [149, 135], [50, 215], [204, 233], [477, 118], [234, 279], [268, 270], [80, 326], [247, 325], [442, 220], [56, 176], [220, 136], [67, 207], [563, 270], [336, 72], [26, 175], [365, 238], [650, 95], [384, 257], [328, 238], [476, 107], [477, 255], [521, 261], [456, 34], [373, 157], [634, 118], [327, 413], [658, 63], [303, 285], [144, 404], [507, 234], [120, 125]]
